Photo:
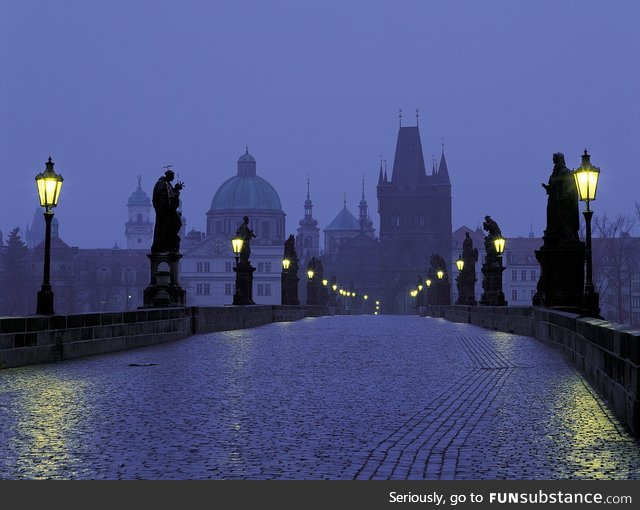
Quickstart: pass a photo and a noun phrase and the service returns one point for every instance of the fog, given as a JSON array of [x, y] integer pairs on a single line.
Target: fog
[[115, 89]]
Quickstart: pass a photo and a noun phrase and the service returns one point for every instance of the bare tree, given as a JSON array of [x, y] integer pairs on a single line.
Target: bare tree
[[615, 259]]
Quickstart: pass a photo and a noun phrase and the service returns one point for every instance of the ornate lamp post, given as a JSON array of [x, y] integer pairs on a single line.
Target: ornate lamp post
[[586, 177], [236, 244], [460, 263], [286, 263], [49, 184]]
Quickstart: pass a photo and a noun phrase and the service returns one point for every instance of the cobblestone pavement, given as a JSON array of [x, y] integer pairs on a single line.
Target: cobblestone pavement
[[368, 397]]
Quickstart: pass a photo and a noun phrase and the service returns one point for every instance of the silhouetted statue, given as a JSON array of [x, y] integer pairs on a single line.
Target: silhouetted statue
[[469, 253], [563, 221], [290, 248], [246, 234], [166, 200]]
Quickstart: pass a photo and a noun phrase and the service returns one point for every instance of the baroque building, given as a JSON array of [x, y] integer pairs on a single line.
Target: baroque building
[[206, 269]]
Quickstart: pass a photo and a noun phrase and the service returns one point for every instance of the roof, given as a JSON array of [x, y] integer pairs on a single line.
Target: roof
[[246, 192], [344, 221], [408, 162]]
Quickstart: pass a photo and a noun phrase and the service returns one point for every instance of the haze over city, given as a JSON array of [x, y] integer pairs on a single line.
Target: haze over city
[[115, 89]]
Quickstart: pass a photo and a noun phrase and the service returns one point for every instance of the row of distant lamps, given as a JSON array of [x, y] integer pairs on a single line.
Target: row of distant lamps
[[49, 184]]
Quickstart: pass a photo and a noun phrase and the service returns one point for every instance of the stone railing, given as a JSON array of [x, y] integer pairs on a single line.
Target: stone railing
[[608, 354], [40, 339]]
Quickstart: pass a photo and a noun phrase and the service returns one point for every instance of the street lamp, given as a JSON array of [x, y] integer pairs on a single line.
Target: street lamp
[[49, 184], [310, 273], [428, 282], [334, 287], [586, 176], [236, 244], [499, 242], [285, 264], [460, 263], [440, 274]]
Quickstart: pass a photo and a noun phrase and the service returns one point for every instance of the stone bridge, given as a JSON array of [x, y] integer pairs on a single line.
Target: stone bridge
[[344, 397]]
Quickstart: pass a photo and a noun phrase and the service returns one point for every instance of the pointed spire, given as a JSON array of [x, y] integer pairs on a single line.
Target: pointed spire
[[417, 117], [380, 176], [443, 172], [363, 187], [433, 164], [385, 171], [308, 197], [344, 200], [400, 116]]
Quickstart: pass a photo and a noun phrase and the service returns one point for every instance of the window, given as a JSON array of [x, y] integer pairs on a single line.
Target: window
[[260, 267], [228, 267], [203, 267], [219, 229], [267, 267], [514, 295], [523, 275], [139, 218], [635, 301], [533, 275], [228, 289], [260, 289], [266, 230], [206, 289], [199, 289], [635, 286], [514, 276], [267, 289]]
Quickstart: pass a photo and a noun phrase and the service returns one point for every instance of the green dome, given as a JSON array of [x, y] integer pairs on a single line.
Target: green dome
[[245, 192]]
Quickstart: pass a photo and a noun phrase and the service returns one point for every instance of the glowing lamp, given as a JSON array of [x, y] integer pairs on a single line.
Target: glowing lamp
[[586, 176], [285, 264], [49, 184], [428, 283], [440, 274], [236, 244], [460, 263], [499, 244], [310, 273]]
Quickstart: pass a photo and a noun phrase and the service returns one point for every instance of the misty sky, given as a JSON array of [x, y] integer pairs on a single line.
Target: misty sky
[[113, 89]]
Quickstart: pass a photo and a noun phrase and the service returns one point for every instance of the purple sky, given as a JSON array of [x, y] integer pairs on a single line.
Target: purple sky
[[119, 88]]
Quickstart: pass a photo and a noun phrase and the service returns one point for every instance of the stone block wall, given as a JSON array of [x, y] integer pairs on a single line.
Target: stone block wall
[[40, 339]]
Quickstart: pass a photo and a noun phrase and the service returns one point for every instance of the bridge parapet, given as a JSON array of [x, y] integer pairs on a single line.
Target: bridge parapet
[[607, 353], [41, 339]]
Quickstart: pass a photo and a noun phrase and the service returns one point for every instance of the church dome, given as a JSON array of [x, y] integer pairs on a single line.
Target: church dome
[[246, 190], [139, 197]]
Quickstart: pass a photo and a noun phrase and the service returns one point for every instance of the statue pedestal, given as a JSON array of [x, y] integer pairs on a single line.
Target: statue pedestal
[[164, 290], [466, 283], [492, 283], [561, 283], [244, 284], [290, 289]]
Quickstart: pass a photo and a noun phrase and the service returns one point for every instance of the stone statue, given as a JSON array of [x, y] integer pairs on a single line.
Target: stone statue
[[290, 248], [469, 253], [246, 234], [563, 221], [166, 200], [493, 232]]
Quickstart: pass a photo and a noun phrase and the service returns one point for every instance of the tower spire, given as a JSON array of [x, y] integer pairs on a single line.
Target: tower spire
[[308, 187], [417, 117], [400, 116]]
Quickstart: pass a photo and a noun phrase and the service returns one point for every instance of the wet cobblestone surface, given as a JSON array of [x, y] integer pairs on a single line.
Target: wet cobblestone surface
[[326, 398]]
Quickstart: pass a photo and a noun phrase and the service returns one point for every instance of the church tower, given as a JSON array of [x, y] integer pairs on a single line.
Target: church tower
[[308, 240], [366, 225], [139, 227], [415, 217]]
